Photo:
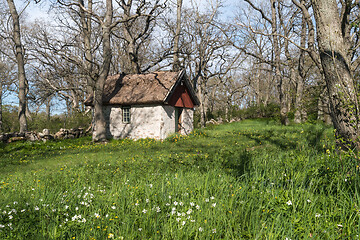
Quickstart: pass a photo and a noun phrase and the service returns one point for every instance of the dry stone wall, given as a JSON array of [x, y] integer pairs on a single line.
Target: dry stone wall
[[42, 136]]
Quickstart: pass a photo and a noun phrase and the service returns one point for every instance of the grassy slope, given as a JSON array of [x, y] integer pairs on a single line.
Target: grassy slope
[[248, 180]]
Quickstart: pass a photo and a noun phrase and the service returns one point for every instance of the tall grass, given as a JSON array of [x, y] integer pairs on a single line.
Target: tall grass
[[248, 180]]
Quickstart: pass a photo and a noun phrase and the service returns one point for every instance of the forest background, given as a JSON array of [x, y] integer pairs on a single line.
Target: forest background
[[246, 59]]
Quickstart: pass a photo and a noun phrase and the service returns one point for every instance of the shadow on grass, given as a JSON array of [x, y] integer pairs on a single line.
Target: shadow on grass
[[237, 163], [269, 137], [279, 138], [314, 136]]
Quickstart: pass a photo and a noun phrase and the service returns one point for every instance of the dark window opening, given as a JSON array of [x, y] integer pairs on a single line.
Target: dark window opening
[[126, 114]]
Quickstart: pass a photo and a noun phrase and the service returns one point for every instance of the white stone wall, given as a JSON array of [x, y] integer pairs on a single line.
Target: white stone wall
[[187, 120], [156, 122], [167, 121]]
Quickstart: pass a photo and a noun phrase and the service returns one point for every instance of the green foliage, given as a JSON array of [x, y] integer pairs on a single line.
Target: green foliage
[[39, 121], [10, 118], [254, 111], [245, 180], [271, 111]]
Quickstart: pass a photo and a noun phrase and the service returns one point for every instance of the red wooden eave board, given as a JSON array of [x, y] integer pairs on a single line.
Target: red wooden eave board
[[181, 97]]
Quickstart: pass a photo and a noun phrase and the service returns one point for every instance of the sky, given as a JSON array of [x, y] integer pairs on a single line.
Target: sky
[[40, 11], [36, 11]]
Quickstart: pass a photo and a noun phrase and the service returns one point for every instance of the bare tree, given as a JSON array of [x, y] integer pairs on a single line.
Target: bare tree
[[99, 133], [300, 114], [23, 84], [206, 51], [337, 52], [279, 78], [176, 64], [138, 19], [86, 28]]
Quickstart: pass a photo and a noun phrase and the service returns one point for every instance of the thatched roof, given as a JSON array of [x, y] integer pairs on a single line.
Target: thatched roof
[[134, 89]]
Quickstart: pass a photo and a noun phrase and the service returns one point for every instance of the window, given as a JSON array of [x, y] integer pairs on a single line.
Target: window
[[126, 114]]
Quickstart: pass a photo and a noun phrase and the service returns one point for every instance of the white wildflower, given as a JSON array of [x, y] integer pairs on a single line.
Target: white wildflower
[[213, 205], [289, 202], [144, 211], [192, 204], [36, 208], [214, 230], [113, 207], [201, 229], [317, 215]]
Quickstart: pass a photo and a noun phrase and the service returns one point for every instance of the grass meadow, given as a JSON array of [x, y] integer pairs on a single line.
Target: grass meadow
[[253, 179]]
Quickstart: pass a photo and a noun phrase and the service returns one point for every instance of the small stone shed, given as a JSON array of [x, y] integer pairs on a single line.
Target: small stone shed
[[152, 105]]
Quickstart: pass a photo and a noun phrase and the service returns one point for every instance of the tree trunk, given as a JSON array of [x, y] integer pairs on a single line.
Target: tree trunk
[[85, 19], [283, 106], [99, 133], [176, 64], [294, 77], [299, 112], [1, 91], [131, 52], [335, 62], [21, 66], [48, 109], [202, 106]]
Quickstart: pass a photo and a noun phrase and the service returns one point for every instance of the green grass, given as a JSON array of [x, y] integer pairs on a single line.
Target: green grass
[[247, 180]]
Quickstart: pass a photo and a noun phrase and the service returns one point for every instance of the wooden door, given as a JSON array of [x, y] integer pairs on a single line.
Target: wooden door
[[178, 119]]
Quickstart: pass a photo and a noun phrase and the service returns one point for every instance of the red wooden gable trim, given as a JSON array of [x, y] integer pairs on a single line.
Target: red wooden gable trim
[[181, 97]]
